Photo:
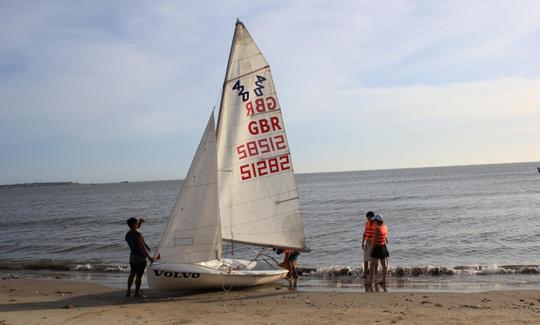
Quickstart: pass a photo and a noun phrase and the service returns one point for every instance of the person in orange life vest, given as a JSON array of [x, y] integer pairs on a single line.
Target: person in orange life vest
[[290, 263], [138, 256], [380, 252], [367, 241]]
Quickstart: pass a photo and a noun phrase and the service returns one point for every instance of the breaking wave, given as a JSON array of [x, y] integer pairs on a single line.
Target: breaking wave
[[334, 271], [428, 270], [68, 266]]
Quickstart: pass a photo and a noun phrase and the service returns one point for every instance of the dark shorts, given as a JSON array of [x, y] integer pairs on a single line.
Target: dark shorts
[[137, 268], [137, 264], [380, 252]]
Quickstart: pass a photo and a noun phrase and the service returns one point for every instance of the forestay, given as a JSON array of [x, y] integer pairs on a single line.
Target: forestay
[[257, 191], [194, 234]]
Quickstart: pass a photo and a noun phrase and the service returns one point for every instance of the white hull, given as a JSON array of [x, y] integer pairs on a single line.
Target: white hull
[[216, 274]]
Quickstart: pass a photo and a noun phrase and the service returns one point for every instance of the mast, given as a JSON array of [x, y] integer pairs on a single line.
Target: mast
[[238, 22]]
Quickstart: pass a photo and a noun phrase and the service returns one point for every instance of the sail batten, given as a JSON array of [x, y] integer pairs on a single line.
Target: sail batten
[[258, 197]]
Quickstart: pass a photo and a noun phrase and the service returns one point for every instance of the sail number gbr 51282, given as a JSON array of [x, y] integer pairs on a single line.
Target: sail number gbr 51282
[[265, 167]]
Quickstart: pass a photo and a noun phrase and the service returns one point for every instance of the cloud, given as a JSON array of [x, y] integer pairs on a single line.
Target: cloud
[[420, 126]]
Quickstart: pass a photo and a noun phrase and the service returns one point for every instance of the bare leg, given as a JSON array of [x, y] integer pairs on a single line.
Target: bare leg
[[289, 267], [384, 263], [137, 285], [366, 269], [367, 286], [373, 271], [366, 263], [130, 283], [294, 274]]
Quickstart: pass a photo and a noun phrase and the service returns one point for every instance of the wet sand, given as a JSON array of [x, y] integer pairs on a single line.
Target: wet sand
[[31, 301]]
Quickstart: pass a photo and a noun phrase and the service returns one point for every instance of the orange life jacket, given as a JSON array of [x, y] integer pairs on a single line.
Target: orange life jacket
[[369, 230], [383, 234]]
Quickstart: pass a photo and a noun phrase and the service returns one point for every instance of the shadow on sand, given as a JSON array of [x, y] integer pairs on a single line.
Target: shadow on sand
[[112, 298]]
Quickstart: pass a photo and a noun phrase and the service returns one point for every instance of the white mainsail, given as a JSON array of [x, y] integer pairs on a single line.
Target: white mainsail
[[257, 191], [194, 234]]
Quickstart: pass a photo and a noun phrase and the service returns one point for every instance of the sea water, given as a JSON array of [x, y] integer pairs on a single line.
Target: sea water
[[450, 228]]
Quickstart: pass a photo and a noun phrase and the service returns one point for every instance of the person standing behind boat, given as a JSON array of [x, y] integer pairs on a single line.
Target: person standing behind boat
[[367, 241], [290, 262], [380, 252], [137, 257]]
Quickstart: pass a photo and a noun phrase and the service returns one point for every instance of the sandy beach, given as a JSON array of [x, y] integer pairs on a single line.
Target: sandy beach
[[31, 301]]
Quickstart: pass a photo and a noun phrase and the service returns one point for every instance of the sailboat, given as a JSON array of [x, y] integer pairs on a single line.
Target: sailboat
[[240, 187]]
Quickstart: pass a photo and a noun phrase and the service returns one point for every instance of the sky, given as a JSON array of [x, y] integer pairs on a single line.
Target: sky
[[106, 91]]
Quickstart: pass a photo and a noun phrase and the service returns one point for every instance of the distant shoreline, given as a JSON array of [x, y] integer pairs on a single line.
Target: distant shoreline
[[38, 184], [44, 184]]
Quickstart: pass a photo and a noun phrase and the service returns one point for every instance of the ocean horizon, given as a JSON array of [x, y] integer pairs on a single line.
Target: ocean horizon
[[126, 180]]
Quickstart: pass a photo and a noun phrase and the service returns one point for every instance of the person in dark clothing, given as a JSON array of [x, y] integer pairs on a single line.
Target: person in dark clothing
[[138, 256]]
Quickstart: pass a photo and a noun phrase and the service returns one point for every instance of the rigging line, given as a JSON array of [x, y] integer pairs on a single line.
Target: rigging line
[[217, 99], [255, 258], [262, 252], [272, 266]]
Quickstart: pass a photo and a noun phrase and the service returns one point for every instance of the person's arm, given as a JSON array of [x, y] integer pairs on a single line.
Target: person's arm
[[363, 239], [376, 238], [140, 241]]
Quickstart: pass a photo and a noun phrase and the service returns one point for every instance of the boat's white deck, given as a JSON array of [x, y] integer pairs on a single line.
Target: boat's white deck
[[236, 265]]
